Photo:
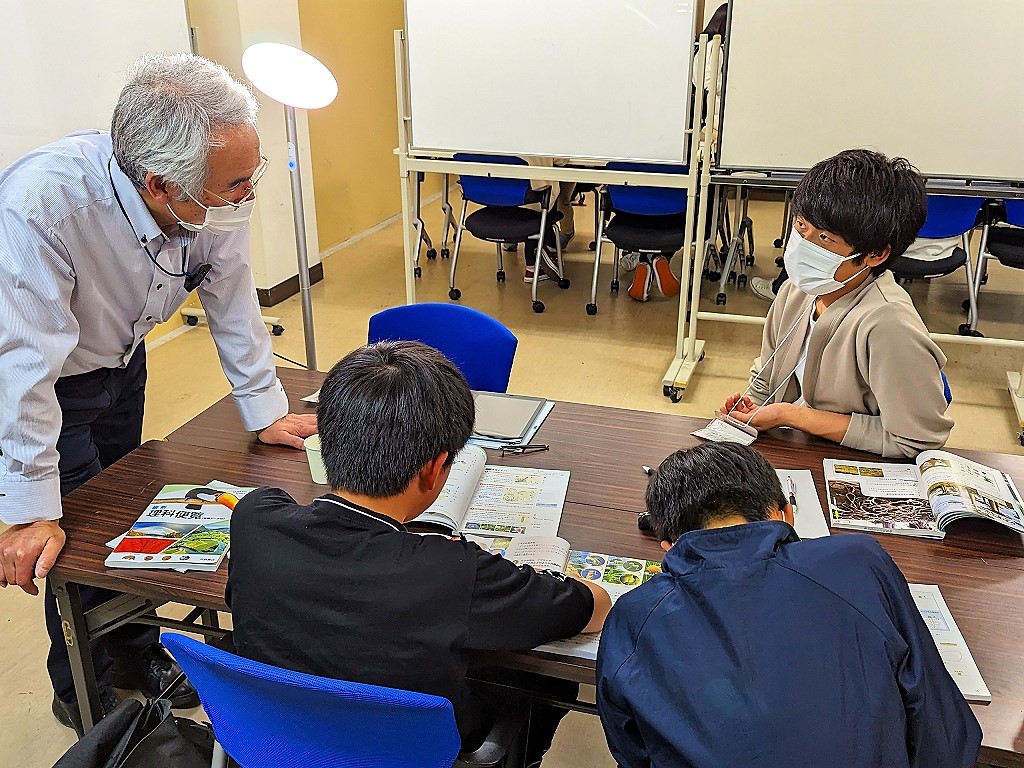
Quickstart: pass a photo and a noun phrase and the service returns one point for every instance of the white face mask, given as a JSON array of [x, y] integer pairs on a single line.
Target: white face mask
[[813, 268], [220, 219]]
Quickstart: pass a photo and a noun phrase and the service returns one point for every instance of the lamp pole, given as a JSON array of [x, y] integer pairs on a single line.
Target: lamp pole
[[300, 237]]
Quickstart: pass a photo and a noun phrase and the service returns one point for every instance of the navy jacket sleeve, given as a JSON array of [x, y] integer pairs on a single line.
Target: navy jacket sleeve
[[613, 685], [941, 728]]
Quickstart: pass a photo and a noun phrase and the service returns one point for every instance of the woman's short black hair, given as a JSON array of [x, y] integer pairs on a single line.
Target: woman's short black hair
[[694, 487], [870, 201], [385, 411]]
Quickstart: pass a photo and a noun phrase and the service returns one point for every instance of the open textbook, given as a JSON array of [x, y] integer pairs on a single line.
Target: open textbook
[[919, 499], [185, 528], [951, 644], [494, 500], [616, 574]]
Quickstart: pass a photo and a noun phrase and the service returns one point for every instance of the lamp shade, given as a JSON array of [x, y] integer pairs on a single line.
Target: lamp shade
[[289, 75]]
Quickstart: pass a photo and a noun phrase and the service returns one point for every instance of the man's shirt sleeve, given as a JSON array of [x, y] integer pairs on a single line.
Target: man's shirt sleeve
[[620, 726], [233, 312], [37, 333], [516, 608]]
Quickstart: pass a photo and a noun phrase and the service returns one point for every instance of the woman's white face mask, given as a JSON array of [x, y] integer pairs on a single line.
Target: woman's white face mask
[[813, 268], [220, 219]]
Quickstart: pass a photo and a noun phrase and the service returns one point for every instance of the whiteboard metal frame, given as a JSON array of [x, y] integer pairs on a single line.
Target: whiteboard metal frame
[[412, 160]]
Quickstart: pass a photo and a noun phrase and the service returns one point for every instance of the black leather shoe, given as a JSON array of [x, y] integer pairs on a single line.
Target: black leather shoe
[[151, 672], [68, 714]]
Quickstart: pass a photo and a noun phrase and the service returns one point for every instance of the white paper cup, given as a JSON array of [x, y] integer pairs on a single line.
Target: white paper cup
[[316, 462]]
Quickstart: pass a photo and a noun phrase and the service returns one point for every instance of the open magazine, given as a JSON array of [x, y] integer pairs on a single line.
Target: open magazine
[[920, 499], [616, 574], [498, 500]]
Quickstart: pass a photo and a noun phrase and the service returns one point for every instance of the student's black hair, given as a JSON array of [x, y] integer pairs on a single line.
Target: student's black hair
[[870, 201], [385, 411], [694, 487]]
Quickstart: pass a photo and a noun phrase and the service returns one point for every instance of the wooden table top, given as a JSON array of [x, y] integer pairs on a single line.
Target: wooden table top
[[979, 565]]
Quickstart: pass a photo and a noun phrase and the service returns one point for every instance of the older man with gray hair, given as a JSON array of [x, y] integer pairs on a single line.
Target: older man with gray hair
[[102, 236]]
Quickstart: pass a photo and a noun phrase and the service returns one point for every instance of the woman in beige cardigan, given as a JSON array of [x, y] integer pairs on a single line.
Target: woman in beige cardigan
[[845, 355]]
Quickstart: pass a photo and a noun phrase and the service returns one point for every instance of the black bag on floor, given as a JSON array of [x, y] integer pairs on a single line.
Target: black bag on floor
[[138, 735]]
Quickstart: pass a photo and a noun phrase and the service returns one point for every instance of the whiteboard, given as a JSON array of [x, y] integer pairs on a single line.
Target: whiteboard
[[940, 82], [64, 63], [560, 78]]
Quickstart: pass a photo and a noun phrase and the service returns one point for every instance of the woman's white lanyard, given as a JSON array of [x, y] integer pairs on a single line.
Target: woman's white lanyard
[[785, 381]]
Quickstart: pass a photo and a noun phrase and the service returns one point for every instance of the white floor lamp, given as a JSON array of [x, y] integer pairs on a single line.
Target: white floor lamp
[[299, 81]]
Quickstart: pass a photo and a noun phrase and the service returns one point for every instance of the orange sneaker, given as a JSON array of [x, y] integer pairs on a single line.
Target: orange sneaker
[[668, 283], [640, 288]]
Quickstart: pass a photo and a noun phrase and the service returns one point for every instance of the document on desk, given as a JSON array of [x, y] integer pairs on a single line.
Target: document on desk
[[808, 517], [494, 500], [950, 642]]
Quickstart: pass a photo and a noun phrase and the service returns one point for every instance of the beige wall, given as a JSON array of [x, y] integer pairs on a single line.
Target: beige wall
[[354, 169]]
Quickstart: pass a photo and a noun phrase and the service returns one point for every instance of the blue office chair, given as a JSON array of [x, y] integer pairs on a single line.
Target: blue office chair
[[266, 717], [481, 347], [503, 219], [1005, 243], [948, 216], [645, 220]]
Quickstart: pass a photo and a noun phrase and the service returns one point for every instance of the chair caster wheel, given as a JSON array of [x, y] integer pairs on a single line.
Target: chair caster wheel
[[780, 262], [741, 281], [500, 276], [750, 261], [965, 330], [454, 294], [431, 253], [591, 309], [778, 242], [193, 321], [966, 305], [714, 277], [701, 357], [418, 272], [538, 307], [672, 393], [445, 253], [564, 283], [592, 245], [732, 276], [277, 330], [614, 287], [721, 298]]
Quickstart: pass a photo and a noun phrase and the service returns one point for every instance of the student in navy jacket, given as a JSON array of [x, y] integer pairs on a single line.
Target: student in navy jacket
[[754, 648]]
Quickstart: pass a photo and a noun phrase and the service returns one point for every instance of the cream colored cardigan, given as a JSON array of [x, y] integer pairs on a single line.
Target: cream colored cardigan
[[869, 356]]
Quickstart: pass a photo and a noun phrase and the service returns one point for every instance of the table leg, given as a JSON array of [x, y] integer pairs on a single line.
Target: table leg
[[76, 636]]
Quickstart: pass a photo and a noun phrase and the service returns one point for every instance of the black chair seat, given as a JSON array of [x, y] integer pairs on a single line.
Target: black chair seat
[[507, 225], [1007, 245], [919, 269], [663, 234]]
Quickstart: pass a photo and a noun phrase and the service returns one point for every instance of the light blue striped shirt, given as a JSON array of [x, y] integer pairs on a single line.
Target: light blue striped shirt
[[78, 292]]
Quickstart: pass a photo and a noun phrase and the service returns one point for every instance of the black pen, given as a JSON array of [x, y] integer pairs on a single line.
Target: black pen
[[647, 470], [792, 493]]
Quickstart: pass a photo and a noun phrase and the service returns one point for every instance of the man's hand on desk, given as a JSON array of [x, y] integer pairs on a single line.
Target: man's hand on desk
[[290, 430], [28, 552], [765, 417]]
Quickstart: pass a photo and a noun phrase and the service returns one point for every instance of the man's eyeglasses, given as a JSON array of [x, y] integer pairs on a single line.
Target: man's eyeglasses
[[252, 181]]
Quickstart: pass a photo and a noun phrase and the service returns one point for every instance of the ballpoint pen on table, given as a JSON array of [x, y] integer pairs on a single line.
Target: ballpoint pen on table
[[521, 449], [647, 470], [792, 493]]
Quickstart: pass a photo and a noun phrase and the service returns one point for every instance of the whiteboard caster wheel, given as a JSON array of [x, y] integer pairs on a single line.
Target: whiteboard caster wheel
[[538, 307], [454, 294], [672, 393], [778, 242], [193, 321], [591, 309], [277, 330]]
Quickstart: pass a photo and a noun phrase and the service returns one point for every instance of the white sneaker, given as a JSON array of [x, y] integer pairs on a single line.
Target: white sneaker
[[762, 288], [628, 261]]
